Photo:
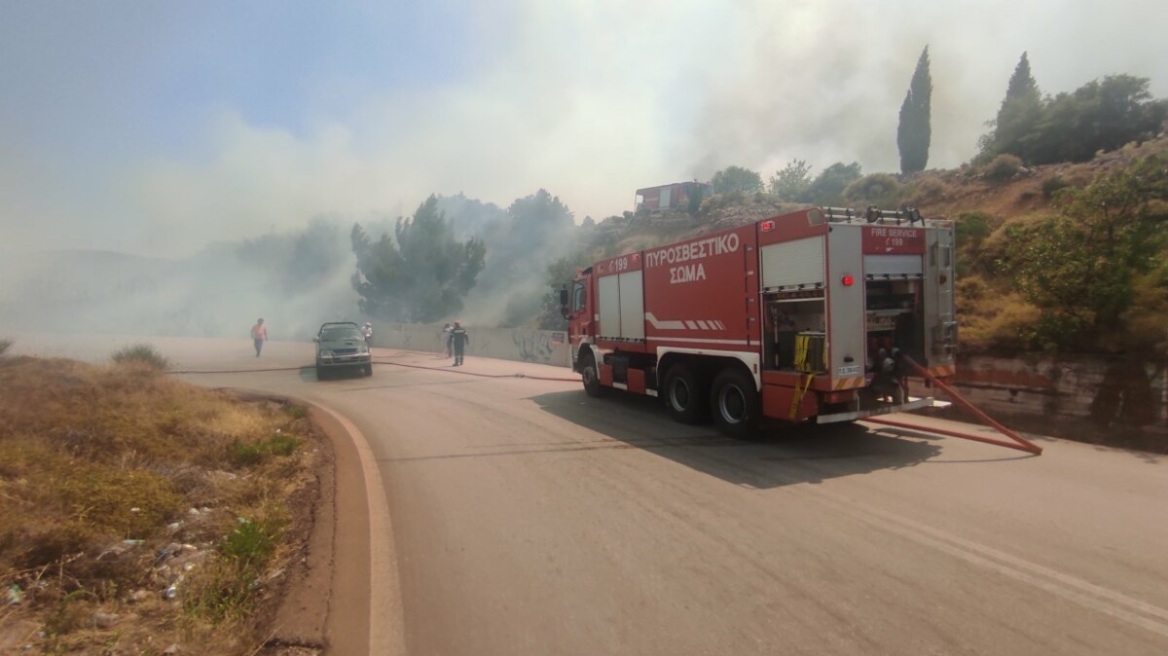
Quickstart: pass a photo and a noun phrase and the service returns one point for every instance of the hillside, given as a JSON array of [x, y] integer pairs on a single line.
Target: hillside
[[1089, 275], [937, 193], [967, 190]]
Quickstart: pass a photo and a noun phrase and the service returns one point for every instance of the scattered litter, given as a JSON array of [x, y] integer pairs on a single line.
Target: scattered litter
[[168, 551], [14, 594], [135, 510], [105, 620], [113, 550]]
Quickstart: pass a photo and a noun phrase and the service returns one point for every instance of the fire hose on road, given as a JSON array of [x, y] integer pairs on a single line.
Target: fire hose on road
[[1016, 441]]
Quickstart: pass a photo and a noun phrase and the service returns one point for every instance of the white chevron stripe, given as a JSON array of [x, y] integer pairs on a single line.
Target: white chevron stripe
[[690, 324], [663, 325]]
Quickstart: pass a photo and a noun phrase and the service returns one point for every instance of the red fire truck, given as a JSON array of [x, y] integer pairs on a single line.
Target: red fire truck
[[800, 317]]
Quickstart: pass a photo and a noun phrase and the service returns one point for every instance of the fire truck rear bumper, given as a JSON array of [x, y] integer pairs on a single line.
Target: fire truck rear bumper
[[911, 404]]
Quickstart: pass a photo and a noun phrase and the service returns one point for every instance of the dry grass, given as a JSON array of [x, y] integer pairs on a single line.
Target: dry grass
[[993, 319], [105, 474]]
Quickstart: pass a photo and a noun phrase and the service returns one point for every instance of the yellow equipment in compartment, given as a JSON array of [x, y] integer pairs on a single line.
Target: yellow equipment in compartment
[[811, 352]]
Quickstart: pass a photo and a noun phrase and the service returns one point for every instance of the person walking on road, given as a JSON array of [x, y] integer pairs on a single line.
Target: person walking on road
[[458, 341], [259, 335]]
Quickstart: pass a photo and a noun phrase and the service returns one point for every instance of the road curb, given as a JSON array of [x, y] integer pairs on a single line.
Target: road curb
[[346, 598]]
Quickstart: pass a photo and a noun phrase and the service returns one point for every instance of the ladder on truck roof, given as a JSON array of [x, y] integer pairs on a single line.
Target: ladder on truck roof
[[871, 214]]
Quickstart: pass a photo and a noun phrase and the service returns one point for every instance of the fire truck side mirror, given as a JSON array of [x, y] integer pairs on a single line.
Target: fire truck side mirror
[[564, 302]]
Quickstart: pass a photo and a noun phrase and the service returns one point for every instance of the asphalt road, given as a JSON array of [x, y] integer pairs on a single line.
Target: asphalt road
[[519, 516]]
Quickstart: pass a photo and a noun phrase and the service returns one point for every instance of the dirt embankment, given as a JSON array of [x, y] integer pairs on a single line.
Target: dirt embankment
[[141, 514]]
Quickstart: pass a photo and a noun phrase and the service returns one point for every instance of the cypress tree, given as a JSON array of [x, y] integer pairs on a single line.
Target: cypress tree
[[915, 131], [1019, 114]]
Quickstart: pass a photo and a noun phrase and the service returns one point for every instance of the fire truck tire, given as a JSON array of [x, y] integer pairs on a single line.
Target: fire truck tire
[[591, 376], [735, 403], [684, 395]]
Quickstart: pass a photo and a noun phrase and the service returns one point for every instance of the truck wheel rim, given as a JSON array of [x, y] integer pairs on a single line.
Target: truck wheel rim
[[732, 404], [679, 395]]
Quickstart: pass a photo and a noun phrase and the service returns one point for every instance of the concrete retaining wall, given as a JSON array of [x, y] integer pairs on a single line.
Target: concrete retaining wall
[[1107, 399], [540, 346], [1105, 390]]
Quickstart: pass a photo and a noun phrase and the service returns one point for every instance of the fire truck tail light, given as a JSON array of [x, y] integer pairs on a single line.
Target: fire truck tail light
[[847, 280], [767, 226]]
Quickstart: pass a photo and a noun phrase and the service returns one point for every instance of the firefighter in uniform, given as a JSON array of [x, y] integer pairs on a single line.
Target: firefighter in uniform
[[458, 340]]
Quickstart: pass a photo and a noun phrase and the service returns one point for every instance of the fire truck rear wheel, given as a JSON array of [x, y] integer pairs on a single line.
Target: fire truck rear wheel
[[735, 403], [591, 376], [685, 395]]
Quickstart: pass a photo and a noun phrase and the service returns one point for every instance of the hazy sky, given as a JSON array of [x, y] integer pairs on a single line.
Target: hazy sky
[[155, 127]]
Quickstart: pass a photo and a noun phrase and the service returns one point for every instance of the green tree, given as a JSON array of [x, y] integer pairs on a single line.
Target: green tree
[[792, 181], [828, 187], [538, 229], [422, 275], [1017, 118], [914, 132], [736, 178], [1098, 116], [1079, 267], [558, 275]]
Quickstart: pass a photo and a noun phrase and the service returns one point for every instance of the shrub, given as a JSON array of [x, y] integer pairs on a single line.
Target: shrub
[[247, 455], [930, 189], [1002, 168], [973, 227], [1052, 185], [140, 354], [880, 189], [253, 542], [5, 344], [993, 320]]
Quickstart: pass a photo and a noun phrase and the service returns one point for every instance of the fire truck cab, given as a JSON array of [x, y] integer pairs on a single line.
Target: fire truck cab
[[802, 317]]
